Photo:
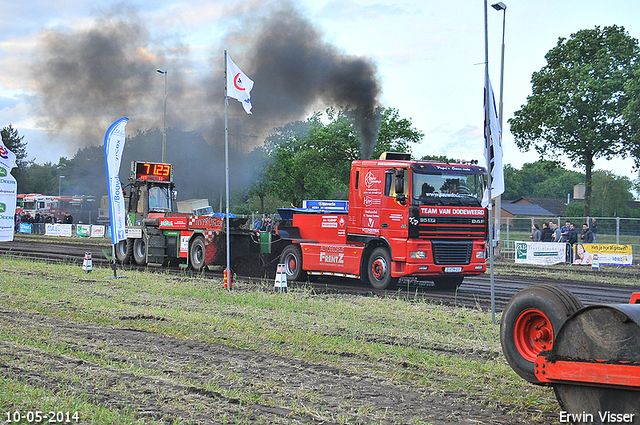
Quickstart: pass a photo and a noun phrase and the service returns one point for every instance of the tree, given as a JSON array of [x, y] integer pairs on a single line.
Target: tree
[[579, 99], [16, 144], [395, 134], [312, 160], [611, 193]]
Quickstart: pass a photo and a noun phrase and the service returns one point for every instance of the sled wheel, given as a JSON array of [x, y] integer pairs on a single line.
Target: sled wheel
[[124, 251], [140, 251], [291, 257], [609, 334], [196, 254], [379, 269], [531, 321]]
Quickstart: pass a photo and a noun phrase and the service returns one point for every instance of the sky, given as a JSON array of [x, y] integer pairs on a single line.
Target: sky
[[69, 69]]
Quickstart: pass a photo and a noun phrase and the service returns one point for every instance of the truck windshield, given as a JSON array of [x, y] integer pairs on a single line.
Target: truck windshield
[[448, 189], [159, 199]]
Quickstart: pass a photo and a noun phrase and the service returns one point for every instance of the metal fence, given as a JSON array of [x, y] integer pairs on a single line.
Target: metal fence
[[611, 230]]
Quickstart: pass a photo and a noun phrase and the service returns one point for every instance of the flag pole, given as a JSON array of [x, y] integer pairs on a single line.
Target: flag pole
[[487, 149], [226, 159]]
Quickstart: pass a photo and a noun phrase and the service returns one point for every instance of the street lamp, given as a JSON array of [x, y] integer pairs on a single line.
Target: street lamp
[[59, 184], [164, 120], [500, 6]]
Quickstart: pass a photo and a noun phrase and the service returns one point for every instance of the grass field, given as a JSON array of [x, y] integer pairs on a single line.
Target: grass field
[[113, 350]]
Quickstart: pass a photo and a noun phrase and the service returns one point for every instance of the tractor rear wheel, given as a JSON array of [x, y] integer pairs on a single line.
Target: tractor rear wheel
[[124, 251], [531, 321], [140, 251]]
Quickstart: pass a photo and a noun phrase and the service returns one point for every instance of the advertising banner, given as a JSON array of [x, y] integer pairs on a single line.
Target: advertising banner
[[8, 193], [541, 252], [608, 254], [97, 231], [83, 230], [113, 146]]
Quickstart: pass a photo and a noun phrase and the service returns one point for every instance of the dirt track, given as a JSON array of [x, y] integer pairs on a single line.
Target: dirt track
[[147, 373]]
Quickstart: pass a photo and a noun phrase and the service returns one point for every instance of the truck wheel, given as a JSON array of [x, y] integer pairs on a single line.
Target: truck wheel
[[530, 323], [196, 254], [291, 257], [124, 251], [448, 283], [379, 268], [140, 251]]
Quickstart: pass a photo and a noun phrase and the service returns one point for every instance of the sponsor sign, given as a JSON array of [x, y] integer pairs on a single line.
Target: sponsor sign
[[173, 222], [213, 223], [332, 254], [333, 206], [97, 231], [83, 230], [607, 254], [541, 252], [462, 212], [58, 229], [134, 233]]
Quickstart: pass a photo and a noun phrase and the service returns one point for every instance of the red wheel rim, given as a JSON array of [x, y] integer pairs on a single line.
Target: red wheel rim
[[533, 333], [292, 264], [379, 268]]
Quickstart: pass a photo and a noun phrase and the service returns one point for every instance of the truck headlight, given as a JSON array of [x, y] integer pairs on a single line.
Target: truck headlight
[[479, 254], [418, 254]]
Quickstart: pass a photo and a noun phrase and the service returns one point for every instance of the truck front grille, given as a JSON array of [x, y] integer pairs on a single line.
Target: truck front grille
[[445, 252]]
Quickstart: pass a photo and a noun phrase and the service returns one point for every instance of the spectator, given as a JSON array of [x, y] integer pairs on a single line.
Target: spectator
[[266, 223], [557, 236], [536, 234], [68, 218], [257, 224], [546, 233], [587, 234], [573, 239], [594, 229], [564, 231]]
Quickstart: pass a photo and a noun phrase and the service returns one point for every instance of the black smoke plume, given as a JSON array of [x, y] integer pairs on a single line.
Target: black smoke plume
[[89, 78]]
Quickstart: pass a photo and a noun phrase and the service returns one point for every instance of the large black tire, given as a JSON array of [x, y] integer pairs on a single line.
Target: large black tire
[[530, 322], [448, 283], [291, 257], [196, 254], [379, 269], [140, 251], [124, 251]]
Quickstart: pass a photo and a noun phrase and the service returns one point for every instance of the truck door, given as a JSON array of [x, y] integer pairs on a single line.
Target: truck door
[[395, 211]]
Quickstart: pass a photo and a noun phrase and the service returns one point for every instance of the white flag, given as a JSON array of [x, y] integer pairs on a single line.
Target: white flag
[[113, 147], [493, 155], [238, 85]]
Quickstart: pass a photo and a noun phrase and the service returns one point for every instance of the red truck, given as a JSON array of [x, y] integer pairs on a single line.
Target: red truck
[[406, 221]]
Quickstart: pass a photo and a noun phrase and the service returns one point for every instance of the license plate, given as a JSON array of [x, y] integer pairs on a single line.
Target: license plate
[[452, 269]]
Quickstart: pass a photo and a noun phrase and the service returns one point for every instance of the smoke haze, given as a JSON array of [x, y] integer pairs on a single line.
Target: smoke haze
[[89, 78]]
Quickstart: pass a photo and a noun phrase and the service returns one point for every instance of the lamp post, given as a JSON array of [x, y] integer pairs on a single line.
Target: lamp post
[[500, 6], [164, 119], [60, 185]]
